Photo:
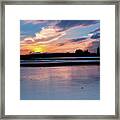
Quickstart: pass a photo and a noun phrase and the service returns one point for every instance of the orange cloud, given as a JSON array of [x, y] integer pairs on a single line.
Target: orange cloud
[[54, 47], [50, 40], [42, 38], [71, 46]]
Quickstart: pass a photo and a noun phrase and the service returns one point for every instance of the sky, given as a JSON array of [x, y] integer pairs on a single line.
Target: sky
[[59, 36]]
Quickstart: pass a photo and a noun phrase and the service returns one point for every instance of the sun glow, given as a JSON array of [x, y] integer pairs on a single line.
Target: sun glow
[[39, 49]]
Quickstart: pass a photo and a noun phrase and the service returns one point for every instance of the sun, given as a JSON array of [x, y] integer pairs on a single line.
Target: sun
[[38, 49]]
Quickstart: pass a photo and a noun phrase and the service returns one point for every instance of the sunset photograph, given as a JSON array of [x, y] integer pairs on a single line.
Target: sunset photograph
[[60, 59]]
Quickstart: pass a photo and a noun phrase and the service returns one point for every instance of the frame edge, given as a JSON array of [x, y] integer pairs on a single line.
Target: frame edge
[[117, 24]]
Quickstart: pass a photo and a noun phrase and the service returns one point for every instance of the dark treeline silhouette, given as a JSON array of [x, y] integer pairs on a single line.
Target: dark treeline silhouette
[[78, 53]]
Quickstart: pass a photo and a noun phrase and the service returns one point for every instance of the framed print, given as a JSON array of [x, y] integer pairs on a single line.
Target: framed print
[[59, 59]]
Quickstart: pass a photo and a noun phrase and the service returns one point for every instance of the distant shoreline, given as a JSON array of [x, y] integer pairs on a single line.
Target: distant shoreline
[[54, 55], [64, 58], [59, 64]]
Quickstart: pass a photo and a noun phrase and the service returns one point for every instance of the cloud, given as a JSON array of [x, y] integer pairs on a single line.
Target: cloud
[[23, 36], [33, 21], [60, 36], [28, 40], [61, 44], [68, 46], [71, 47], [95, 45], [78, 39], [47, 22], [24, 51], [96, 30], [65, 24], [95, 36], [46, 35]]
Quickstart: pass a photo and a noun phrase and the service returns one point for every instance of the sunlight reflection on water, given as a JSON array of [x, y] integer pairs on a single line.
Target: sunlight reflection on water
[[60, 83]]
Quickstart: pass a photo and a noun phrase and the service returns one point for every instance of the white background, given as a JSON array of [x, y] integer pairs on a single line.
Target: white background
[[15, 106]]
